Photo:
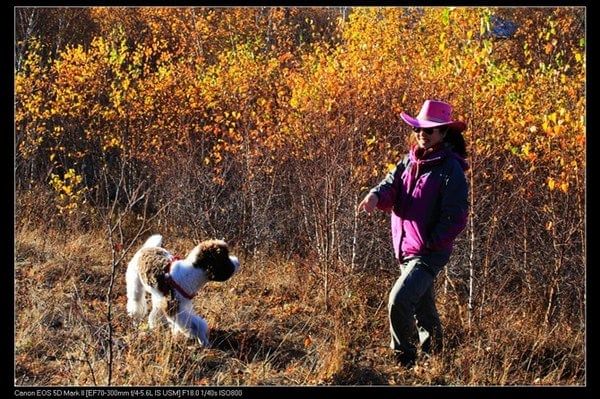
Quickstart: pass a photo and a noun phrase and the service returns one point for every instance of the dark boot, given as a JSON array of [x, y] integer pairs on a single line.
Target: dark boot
[[404, 359]]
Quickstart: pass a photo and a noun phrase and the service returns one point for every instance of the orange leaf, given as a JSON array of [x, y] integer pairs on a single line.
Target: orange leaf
[[307, 341]]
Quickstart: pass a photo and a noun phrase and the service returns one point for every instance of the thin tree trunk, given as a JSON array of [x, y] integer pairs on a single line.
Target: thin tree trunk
[[354, 233], [471, 252]]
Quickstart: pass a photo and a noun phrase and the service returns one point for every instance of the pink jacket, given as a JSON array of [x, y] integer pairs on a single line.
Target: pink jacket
[[427, 195]]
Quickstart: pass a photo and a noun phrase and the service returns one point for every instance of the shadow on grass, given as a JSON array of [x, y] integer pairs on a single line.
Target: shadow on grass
[[353, 374], [248, 347]]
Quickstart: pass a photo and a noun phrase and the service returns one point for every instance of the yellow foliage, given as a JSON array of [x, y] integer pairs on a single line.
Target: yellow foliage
[[68, 189], [285, 84]]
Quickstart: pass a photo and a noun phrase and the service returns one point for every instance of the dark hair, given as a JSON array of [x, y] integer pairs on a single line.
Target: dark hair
[[457, 141]]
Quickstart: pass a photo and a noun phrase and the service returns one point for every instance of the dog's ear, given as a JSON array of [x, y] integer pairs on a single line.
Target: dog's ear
[[210, 251], [213, 257]]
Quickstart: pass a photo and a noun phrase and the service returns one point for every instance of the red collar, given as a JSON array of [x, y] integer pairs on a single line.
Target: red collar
[[172, 282]]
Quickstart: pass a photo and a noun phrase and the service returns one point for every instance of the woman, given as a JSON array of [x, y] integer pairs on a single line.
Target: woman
[[427, 196]]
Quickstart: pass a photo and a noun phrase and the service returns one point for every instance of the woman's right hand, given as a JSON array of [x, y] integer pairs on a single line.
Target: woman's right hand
[[368, 203]]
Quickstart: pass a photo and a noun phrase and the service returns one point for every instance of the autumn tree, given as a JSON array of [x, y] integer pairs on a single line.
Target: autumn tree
[[268, 124]]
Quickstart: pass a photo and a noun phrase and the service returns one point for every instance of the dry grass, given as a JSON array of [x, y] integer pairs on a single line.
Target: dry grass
[[269, 326]]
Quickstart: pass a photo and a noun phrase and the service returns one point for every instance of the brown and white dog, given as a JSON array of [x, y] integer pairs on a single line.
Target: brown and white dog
[[173, 283]]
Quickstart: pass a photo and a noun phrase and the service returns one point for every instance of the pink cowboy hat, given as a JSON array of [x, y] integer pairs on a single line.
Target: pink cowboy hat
[[433, 114]]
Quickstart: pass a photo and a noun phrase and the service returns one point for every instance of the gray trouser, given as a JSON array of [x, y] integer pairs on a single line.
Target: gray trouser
[[412, 297]]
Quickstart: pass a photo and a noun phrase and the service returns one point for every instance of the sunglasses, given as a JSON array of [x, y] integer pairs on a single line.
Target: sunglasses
[[428, 131]]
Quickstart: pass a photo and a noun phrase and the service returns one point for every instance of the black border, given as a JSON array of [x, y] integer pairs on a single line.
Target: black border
[[287, 392]]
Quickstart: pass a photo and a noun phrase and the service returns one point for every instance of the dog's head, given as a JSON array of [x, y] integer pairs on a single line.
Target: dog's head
[[213, 257]]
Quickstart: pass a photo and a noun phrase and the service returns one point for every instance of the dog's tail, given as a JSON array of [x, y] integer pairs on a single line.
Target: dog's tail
[[153, 241]]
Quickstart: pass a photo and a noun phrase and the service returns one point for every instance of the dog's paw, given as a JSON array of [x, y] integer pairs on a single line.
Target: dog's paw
[[199, 328], [204, 342], [136, 310]]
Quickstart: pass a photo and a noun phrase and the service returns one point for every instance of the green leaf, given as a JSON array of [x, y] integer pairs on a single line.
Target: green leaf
[[445, 16]]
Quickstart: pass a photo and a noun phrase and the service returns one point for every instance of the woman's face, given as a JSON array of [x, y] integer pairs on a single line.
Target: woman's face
[[428, 137]]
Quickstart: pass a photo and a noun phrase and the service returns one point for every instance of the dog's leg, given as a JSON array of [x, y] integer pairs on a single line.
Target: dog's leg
[[200, 330], [157, 313], [136, 302], [192, 325], [175, 327]]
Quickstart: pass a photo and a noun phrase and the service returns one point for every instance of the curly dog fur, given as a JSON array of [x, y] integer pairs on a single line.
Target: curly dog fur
[[173, 282]]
